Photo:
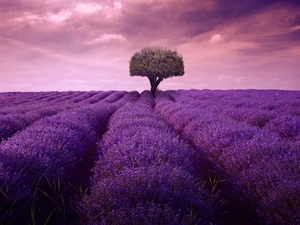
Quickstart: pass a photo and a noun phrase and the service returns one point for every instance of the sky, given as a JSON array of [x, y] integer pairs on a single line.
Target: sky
[[55, 45]]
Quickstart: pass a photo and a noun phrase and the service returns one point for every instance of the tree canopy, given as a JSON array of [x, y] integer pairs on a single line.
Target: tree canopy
[[156, 63]]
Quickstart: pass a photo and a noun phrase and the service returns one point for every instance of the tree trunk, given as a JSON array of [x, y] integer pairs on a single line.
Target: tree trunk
[[154, 84]]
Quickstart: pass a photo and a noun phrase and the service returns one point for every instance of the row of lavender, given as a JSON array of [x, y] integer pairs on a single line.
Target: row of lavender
[[10, 99], [15, 120], [38, 106], [19, 99], [52, 148], [261, 163], [276, 111], [144, 174], [24, 98]]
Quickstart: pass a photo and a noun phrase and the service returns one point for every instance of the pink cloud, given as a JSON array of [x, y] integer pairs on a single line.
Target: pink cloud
[[118, 5], [88, 8], [215, 38], [104, 39], [59, 17]]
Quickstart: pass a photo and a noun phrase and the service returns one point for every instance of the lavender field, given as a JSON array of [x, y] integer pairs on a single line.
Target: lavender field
[[117, 157]]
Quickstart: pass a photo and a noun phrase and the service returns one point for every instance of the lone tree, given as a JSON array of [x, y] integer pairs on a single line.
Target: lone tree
[[157, 64]]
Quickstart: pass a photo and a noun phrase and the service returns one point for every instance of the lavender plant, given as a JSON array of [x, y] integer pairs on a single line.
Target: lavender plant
[[145, 171], [52, 147], [141, 164], [256, 161], [116, 199]]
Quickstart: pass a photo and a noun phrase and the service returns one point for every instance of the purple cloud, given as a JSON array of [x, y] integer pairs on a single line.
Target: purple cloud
[[225, 44]]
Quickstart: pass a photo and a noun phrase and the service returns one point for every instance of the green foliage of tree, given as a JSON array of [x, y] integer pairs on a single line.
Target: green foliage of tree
[[157, 64]]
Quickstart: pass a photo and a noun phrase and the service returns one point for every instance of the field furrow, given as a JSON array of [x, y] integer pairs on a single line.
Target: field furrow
[[262, 166], [38, 163], [118, 157], [145, 174]]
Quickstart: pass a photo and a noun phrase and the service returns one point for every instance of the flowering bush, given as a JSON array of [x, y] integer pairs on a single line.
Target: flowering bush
[[125, 158], [144, 163], [260, 163]]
